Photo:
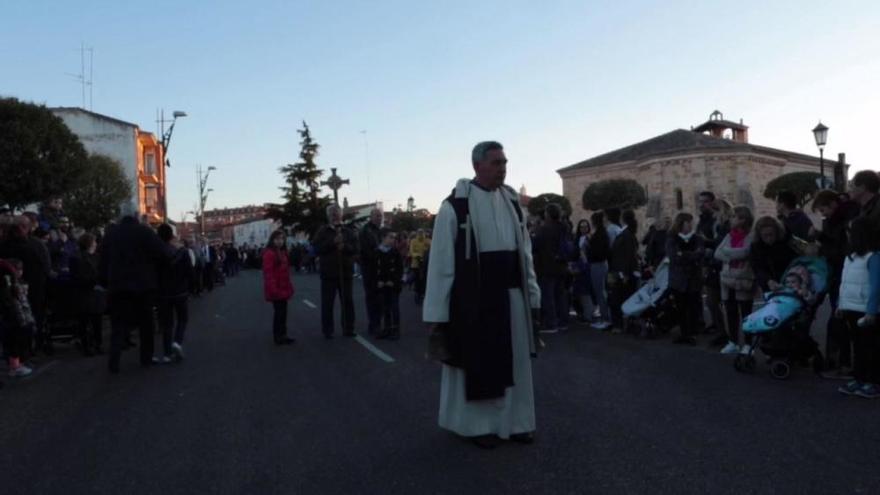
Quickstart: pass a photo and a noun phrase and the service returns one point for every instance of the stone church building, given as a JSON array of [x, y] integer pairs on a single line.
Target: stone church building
[[675, 167]]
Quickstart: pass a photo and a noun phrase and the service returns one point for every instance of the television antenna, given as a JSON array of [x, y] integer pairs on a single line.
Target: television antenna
[[81, 77]]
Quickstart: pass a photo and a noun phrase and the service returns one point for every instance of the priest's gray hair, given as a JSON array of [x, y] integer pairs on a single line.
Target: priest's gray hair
[[331, 208], [480, 150]]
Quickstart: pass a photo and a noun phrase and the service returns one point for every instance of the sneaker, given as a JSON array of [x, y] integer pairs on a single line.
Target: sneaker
[[868, 391], [165, 360], [550, 330], [20, 372], [601, 325], [178, 350], [746, 350], [730, 348], [850, 388]]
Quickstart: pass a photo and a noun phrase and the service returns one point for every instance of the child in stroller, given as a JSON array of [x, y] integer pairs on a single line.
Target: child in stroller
[[651, 306], [781, 328]]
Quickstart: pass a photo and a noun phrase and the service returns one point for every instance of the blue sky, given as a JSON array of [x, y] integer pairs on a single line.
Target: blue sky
[[556, 82]]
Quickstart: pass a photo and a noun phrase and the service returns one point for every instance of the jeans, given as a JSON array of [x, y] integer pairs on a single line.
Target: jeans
[[330, 287], [129, 310], [279, 319], [391, 311], [554, 304], [168, 309], [598, 276]]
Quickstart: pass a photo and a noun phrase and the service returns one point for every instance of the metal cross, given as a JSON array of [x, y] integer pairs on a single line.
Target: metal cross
[[335, 182]]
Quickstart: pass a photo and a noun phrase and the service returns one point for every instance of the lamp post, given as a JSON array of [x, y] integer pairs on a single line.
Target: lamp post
[[820, 132], [166, 142], [203, 194]]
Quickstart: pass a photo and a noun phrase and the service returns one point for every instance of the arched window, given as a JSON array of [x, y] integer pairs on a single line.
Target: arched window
[[679, 200]]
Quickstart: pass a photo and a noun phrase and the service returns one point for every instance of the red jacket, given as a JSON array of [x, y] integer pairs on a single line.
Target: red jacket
[[277, 285]]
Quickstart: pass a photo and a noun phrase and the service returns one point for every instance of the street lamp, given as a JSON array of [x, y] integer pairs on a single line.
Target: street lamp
[[410, 204], [820, 132], [166, 142], [203, 193]]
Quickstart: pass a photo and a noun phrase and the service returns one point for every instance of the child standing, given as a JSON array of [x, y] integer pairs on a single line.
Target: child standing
[[685, 250], [15, 311], [389, 276], [858, 305]]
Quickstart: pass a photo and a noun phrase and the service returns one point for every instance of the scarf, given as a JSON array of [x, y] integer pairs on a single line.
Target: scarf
[[738, 240], [687, 237]]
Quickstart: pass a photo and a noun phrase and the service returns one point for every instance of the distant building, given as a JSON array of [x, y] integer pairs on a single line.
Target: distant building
[[218, 218], [359, 211], [675, 167], [254, 233], [139, 152]]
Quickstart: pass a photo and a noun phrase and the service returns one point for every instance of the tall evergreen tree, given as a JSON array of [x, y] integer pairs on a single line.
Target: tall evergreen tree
[[304, 205]]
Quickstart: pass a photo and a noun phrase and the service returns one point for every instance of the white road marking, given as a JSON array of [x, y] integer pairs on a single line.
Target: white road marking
[[375, 350], [309, 303]]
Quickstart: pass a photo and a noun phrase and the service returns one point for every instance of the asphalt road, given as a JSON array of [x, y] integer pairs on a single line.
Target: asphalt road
[[615, 415]]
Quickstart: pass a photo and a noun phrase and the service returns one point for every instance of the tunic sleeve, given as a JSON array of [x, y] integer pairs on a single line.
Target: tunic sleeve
[[532, 280], [441, 266]]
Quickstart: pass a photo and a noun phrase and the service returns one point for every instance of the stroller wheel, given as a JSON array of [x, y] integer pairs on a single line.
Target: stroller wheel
[[780, 370]]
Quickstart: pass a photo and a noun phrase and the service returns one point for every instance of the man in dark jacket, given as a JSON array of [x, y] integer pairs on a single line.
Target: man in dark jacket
[[174, 279], [712, 231], [865, 191], [795, 221], [551, 267], [130, 260], [369, 245], [336, 245]]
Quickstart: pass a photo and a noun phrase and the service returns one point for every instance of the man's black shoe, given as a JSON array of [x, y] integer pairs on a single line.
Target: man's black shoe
[[286, 341], [719, 341], [487, 442], [525, 438], [685, 341], [349, 334]]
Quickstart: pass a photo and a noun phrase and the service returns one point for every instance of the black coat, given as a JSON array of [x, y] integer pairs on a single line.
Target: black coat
[[332, 259], [798, 224], [369, 240], [389, 268], [770, 261], [655, 247], [175, 277], [833, 239], [624, 254], [599, 249], [131, 256], [685, 270], [546, 247]]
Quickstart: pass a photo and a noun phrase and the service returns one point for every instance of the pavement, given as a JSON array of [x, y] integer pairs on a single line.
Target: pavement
[[615, 414]]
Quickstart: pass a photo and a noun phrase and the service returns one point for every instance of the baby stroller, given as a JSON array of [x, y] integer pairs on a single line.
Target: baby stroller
[[781, 328], [652, 304]]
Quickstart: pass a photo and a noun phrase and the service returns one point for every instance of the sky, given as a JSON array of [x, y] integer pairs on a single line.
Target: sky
[[398, 92]]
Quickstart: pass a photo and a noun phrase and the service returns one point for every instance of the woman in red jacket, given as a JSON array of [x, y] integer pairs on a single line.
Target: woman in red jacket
[[277, 284]]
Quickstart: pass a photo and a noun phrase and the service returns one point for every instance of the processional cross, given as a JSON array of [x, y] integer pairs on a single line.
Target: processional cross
[[335, 182]]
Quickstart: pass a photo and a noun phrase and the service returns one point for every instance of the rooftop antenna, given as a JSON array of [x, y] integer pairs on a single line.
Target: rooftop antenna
[[81, 77]]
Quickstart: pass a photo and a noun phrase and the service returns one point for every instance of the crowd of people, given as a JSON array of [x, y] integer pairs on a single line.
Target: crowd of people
[[60, 282], [720, 261]]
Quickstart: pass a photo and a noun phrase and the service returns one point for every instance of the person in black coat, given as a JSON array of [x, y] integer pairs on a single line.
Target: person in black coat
[[90, 299], [795, 221], [771, 253], [130, 260], [623, 269], [686, 250], [336, 244], [174, 280], [833, 240], [389, 282], [370, 239], [551, 268]]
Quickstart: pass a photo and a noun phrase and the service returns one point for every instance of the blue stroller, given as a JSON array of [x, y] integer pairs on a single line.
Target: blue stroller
[[781, 328]]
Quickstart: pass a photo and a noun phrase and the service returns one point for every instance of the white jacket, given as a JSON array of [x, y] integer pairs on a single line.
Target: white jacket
[[855, 284]]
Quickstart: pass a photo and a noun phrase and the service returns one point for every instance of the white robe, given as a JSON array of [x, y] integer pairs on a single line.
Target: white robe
[[496, 225]]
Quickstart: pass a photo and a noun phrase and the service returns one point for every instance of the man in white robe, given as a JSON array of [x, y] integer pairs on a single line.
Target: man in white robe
[[493, 239]]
